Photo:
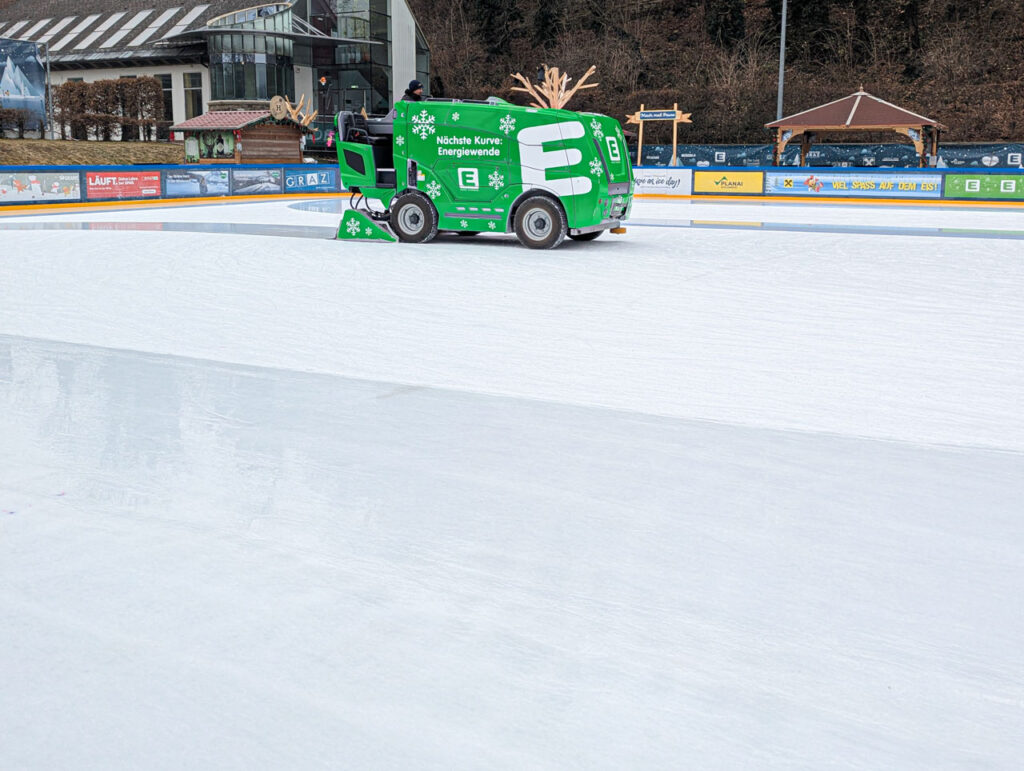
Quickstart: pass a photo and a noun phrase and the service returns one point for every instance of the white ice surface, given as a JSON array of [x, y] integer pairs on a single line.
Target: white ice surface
[[678, 499], [909, 338]]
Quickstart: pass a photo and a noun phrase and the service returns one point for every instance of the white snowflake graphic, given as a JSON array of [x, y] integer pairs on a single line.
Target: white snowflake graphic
[[596, 128], [423, 124], [491, 225], [463, 224], [368, 231], [496, 180], [433, 190], [455, 117], [508, 124], [595, 167], [399, 140], [352, 227]]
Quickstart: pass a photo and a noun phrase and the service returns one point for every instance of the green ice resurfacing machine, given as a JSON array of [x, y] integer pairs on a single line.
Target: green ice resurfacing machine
[[483, 167]]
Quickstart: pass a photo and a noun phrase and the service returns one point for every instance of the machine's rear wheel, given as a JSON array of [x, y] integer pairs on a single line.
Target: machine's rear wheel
[[586, 236], [540, 223], [413, 218]]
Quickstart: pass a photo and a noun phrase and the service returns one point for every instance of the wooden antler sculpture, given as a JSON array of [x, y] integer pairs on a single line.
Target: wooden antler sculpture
[[552, 92], [297, 114]]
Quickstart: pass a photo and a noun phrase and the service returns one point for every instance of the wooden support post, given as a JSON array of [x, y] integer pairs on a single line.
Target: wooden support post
[[640, 142], [675, 133]]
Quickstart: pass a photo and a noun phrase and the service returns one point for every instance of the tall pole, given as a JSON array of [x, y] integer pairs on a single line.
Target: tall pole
[[49, 92], [782, 63]]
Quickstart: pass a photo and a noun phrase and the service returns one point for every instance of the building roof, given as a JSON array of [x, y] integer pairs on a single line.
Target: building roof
[[223, 121], [233, 120], [859, 110], [103, 33]]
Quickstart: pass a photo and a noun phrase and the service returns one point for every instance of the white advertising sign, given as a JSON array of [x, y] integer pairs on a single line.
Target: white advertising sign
[[667, 181]]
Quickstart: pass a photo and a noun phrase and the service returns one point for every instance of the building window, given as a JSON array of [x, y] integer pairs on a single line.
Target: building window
[[163, 129], [193, 94], [422, 62], [251, 67]]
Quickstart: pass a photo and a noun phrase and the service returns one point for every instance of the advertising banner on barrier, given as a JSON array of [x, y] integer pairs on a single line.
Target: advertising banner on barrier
[[852, 184], [256, 181], [729, 182], [998, 187], [106, 185], [17, 187], [663, 181], [198, 182], [313, 181]]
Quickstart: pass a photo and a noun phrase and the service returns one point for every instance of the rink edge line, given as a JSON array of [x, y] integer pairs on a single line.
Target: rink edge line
[[17, 209], [944, 202], [158, 202]]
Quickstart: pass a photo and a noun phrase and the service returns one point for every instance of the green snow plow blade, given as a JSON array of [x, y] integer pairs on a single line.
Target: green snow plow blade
[[355, 225], [487, 167]]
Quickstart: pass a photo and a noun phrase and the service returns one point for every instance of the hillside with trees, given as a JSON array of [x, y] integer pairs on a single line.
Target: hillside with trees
[[958, 61]]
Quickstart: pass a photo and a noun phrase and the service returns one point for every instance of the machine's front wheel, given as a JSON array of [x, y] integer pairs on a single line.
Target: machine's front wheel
[[540, 223], [413, 218], [586, 236]]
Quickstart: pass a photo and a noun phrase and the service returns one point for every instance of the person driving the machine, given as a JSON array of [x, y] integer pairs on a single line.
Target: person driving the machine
[[414, 93]]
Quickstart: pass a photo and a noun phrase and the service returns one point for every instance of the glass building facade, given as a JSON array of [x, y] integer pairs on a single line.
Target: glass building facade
[[255, 56], [355, 75], [254, 64]]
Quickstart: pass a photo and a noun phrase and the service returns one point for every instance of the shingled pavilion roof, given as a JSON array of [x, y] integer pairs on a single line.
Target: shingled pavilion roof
[[859, 111], [234, 120], [223, 121]]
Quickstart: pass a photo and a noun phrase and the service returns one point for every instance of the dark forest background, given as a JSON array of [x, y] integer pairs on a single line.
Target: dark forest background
[[960, 62]]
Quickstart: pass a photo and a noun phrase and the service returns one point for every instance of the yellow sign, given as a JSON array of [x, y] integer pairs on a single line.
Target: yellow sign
[[728, 182]]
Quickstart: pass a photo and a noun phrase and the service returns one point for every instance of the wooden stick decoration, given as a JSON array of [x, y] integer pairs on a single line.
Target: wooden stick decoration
[[552, 92], [298, 115]]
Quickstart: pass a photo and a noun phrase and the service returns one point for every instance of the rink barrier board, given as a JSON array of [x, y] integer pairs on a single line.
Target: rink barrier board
[[833, 184], [90, 185]]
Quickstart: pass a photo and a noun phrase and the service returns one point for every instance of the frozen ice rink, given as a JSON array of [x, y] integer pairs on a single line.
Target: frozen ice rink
[[742, 488]]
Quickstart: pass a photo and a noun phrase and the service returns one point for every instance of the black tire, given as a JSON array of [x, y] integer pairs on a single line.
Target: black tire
[[540, 223], [586, 236], [413, 218]]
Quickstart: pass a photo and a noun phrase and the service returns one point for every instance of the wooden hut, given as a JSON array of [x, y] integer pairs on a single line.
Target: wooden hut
[[242, 136], [859, 111]]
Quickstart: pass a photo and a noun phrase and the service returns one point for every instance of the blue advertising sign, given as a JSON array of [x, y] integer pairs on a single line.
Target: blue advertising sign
[[810, 183], [312, 181], [22, 80], [248, 181], [186, 183], [657, 115]]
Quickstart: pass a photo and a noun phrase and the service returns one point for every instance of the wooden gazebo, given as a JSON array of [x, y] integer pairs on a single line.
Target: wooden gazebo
[[859, 111]]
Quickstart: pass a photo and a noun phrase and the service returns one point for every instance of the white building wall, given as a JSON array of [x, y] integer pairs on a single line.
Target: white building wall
[[403, 47], [176, 71]]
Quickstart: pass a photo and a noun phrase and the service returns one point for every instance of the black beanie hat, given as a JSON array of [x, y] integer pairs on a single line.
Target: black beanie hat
[[414, 85]]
